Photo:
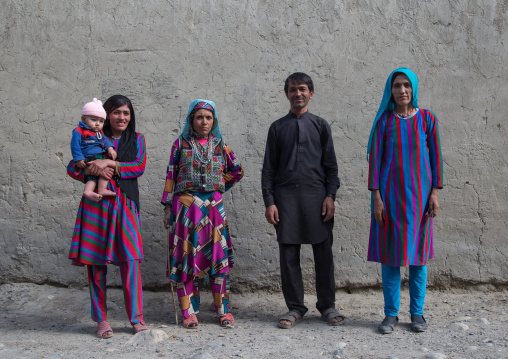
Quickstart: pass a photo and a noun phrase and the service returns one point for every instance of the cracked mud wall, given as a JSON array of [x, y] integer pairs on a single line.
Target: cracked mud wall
[[58, 55]]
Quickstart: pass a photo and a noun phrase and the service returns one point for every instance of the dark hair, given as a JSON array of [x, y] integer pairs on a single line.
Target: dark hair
[[397, 74], [299, 78], [112, 104], [127, 145], [191, 118]]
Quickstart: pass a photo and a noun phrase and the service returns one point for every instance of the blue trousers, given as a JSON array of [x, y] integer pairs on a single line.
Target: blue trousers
[[391, 288]]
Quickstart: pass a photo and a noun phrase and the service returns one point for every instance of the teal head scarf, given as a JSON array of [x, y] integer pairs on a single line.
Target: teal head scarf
[[387, 103], [202, 104]]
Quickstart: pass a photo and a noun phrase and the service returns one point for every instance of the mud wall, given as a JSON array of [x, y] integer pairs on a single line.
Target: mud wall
[[58, 55]]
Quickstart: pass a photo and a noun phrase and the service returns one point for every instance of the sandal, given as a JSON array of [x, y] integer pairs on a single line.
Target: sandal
[[191, 322], [331, 313], [139, 327], [104, 330], [293, 317], [226, 319]]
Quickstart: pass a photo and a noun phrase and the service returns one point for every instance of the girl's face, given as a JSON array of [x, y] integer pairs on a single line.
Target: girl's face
[[202, 122], [119, 120], [402, 91], [94, 122]]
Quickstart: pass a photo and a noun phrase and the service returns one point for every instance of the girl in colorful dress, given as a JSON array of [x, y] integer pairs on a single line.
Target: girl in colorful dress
[[405, 173], [109, 231], [201, 168]]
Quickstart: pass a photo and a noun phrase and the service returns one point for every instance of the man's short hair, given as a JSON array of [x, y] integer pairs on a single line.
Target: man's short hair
[[299, 78]]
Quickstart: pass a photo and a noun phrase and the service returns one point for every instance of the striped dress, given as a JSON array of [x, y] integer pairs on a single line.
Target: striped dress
[[405, 164], [109, 231]]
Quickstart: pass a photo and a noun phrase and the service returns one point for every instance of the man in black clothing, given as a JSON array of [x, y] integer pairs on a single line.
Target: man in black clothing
[[299, 182]]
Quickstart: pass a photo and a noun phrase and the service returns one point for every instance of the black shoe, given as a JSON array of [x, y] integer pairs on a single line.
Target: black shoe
[[387, 325], [418, 323]]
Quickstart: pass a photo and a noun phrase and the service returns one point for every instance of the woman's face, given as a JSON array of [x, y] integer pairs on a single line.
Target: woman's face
[[202, 122], [119, 120], [402, 91]]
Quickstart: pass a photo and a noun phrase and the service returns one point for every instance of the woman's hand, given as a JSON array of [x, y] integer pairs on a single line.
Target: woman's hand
[[167, 216], [379, 208], [96, 167], [433, 205], [107, 173]]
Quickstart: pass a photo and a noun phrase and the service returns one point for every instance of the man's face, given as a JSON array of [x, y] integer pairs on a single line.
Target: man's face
[[298, 96]]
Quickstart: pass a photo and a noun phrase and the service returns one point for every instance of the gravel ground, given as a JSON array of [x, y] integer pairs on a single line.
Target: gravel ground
[[42, 321]]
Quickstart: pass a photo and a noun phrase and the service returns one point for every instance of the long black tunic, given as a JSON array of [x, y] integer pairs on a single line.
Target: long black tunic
[[299, 170]]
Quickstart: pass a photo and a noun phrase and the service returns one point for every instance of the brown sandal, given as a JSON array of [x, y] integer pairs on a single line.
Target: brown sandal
[[104, 330], [226, 319], [191, 322]]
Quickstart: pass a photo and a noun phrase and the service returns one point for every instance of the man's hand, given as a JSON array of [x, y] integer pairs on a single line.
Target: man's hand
[[379, 208], [433, 205], [328, 209], [272, 214]]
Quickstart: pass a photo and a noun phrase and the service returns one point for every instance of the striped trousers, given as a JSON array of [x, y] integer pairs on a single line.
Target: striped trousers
[[132, 291]]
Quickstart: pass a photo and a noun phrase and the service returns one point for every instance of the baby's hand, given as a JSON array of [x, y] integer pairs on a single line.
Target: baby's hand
[[112, 153], [81, 164]]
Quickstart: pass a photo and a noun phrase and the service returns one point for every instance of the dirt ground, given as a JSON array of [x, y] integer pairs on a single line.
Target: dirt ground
[[42, 321]]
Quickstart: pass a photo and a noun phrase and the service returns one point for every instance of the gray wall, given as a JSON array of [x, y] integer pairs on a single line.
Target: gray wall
[[57, 55]]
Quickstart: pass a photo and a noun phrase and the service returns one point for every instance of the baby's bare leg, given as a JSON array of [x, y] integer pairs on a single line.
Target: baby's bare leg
[[89, 192], [102, 187]]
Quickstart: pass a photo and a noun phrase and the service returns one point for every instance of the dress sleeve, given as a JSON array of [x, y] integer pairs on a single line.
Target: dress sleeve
[[270, 166], [173, 169], [434, 146], [137, 167], [74, 172], [234, 170], [376, 153]]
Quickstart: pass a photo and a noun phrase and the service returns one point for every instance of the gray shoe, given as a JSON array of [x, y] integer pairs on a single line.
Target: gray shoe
[[387, 325], [418, 323]]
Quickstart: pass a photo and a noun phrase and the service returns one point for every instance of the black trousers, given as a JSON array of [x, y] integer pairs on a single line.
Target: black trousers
[[291, 276]]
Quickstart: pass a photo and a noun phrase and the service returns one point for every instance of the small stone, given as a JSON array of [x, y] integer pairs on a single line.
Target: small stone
[[484, 321], [459, 327], [202, 355], [163, 326], [472, 348], [463, 319], [148, 337], [435, 356], [51, 297]]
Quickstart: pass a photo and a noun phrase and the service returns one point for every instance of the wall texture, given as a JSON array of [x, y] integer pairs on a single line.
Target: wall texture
[[57, 55]]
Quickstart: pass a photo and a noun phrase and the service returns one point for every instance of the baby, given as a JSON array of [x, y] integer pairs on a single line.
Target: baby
[[89, 143]]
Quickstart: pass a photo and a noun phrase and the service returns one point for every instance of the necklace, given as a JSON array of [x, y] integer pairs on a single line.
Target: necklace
[[204, 155], [403, 115]]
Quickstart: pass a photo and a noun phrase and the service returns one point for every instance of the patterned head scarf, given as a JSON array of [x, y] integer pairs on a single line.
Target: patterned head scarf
[[387, 103], [201, 104]]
